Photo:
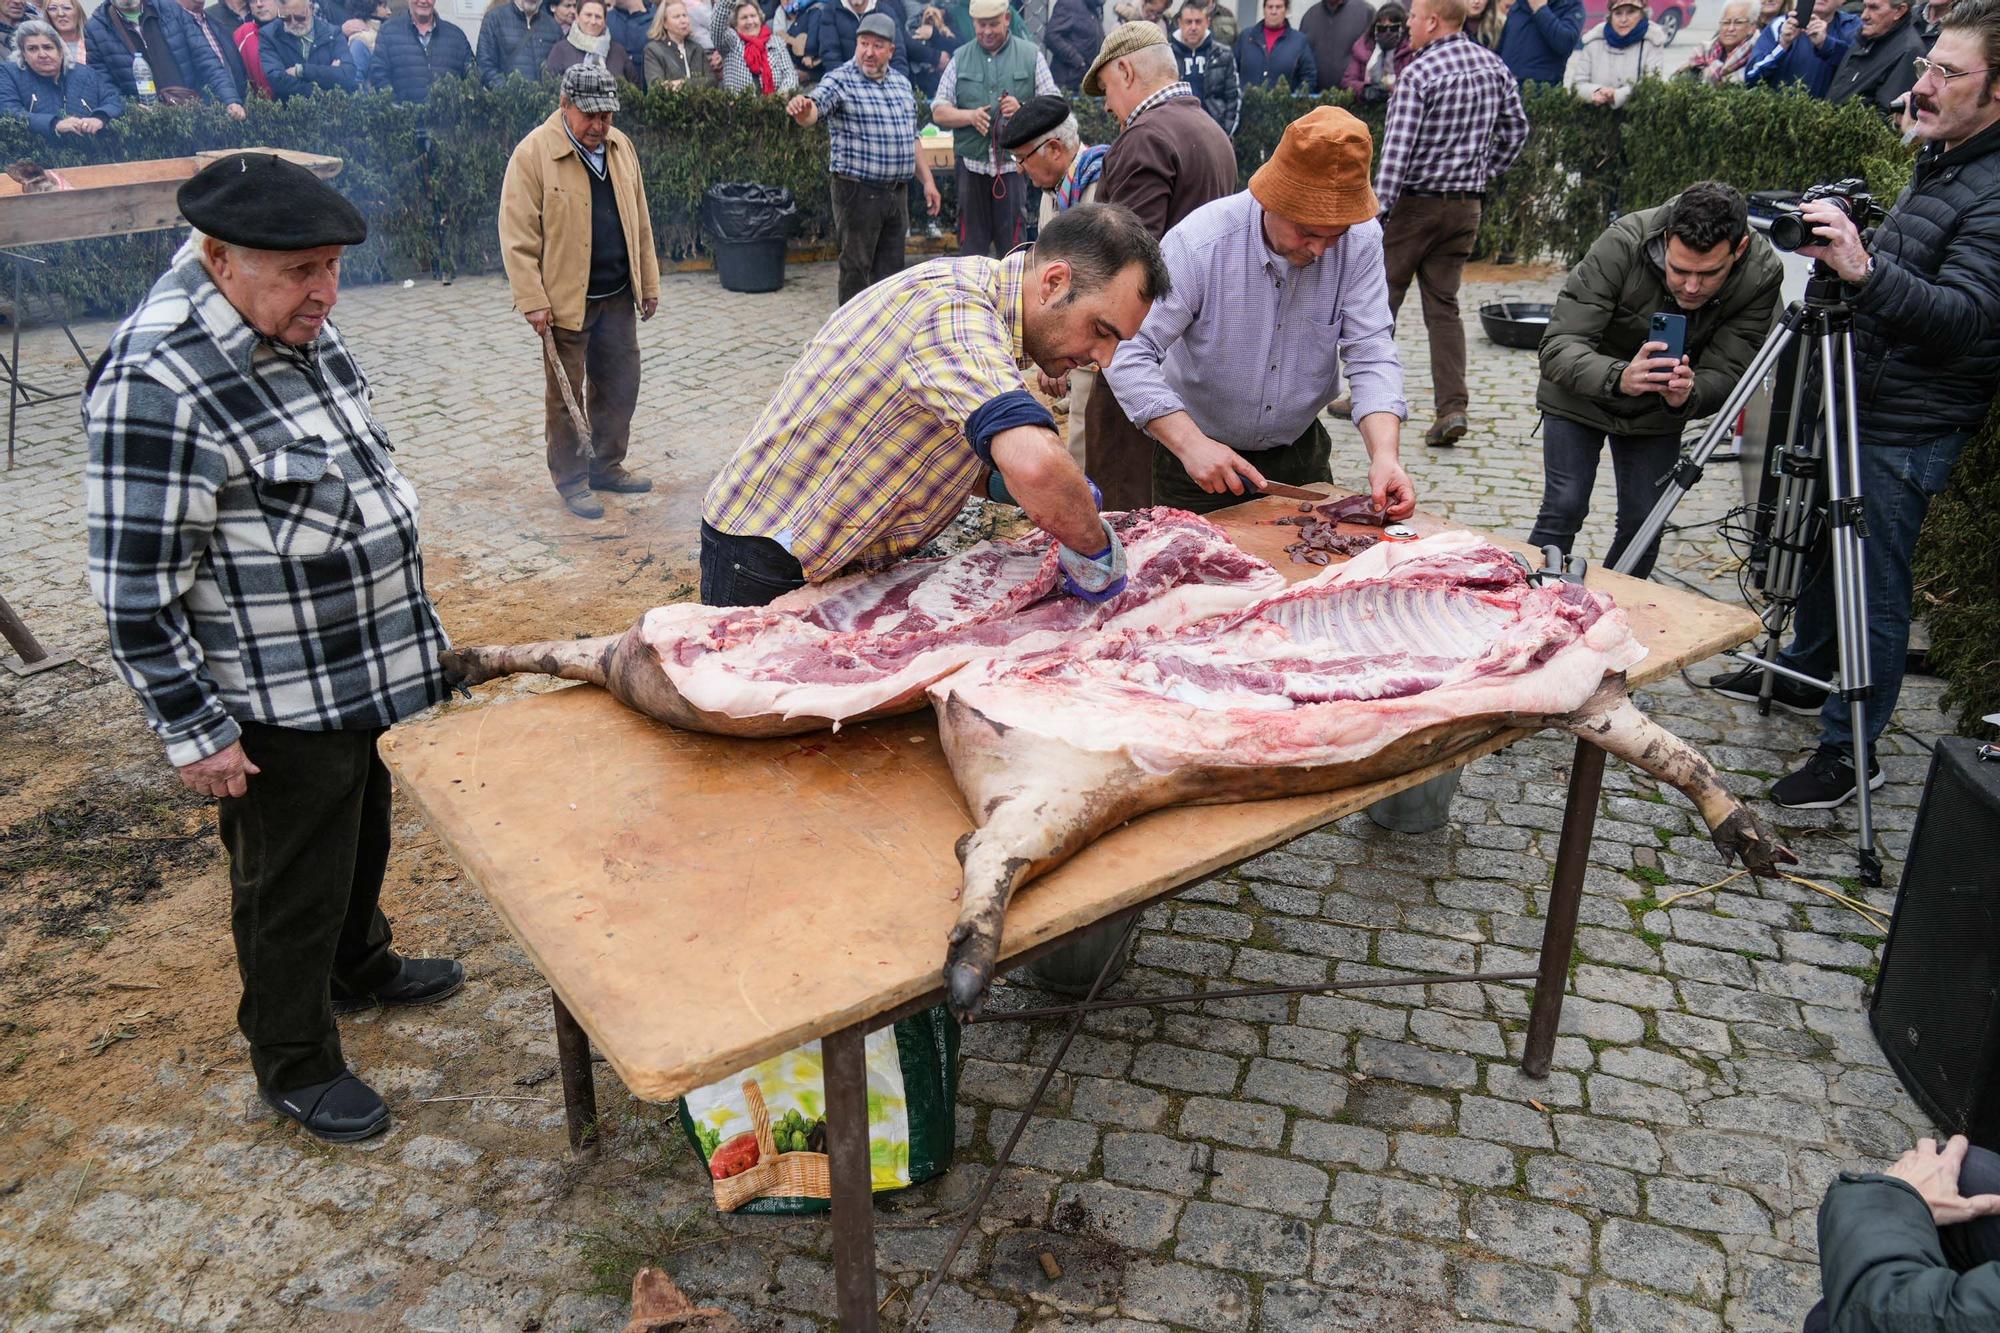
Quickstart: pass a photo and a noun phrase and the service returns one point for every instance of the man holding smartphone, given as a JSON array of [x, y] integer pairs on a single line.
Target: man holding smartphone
[[1605, 373]]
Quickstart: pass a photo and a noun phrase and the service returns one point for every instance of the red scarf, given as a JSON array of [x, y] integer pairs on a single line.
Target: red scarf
[[757, 55]]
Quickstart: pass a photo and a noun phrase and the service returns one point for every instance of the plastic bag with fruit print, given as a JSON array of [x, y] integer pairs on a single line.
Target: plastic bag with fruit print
[[762, 1133]]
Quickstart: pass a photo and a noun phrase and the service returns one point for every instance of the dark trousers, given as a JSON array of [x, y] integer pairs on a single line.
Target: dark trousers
[[745, 571], [1967, 1245], [602, 362], [308, 842], [990, 223], [1117, 455], [1306, 459], [1897, 485], [871, 222], [1639, 463], [1429, 239]]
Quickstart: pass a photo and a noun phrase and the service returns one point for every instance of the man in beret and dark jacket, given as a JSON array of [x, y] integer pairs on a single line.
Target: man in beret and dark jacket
[[255, 552]]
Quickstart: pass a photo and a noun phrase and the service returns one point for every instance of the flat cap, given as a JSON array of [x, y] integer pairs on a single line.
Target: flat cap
[[589, 86], [1037, 116], [877, 24], [262, 202], [988, 9], [1123, 41]]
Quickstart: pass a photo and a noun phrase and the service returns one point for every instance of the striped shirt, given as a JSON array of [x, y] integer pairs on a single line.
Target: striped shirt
[[872, 123], [861, 456], [252, 545], [1455, 122], [1251, 347]]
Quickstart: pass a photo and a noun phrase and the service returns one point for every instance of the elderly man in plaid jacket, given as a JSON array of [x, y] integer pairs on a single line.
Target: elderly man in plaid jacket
[[255, 551]]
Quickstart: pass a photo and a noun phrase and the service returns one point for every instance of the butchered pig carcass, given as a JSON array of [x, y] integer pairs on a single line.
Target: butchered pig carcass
[[1406, 654], [867, 645]]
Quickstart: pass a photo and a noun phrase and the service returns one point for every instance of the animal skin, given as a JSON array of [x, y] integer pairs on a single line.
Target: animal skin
[[1405, 655], [867, 645]]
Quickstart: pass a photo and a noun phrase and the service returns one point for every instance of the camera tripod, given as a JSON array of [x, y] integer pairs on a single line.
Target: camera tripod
[[1819, 481]]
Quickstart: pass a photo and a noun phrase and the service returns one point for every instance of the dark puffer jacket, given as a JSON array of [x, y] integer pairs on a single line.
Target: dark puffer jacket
[[511, 42], [1927, 321], [1880, 69], [1883, 1269], [407, 67], [1602, 318]]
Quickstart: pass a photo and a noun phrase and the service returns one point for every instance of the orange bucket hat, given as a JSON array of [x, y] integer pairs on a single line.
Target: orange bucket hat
[[1318, 177]]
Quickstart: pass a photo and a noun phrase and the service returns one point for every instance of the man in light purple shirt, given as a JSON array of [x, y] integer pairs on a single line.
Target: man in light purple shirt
[[1276, 291]]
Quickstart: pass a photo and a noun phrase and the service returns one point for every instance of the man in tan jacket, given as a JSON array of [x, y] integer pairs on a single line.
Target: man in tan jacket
[[578, 246]]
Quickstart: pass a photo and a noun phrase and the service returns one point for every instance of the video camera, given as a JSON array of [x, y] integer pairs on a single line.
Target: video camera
[[1789, 230]]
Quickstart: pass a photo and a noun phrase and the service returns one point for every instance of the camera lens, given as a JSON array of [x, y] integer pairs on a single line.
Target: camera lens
[[1789, 231]]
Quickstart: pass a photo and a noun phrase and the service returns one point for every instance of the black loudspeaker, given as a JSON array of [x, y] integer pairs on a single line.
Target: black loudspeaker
[[1936, 1011]]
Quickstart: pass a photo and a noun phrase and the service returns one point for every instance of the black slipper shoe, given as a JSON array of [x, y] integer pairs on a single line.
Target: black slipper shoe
[[340, 1110], [422, 981]]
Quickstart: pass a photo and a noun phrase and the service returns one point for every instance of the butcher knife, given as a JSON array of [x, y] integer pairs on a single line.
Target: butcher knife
[[1293, 492]]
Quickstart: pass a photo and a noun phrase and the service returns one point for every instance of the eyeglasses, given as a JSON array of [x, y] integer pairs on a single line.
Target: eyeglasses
[[1391, 27], [1942, 73], [1021, 158]]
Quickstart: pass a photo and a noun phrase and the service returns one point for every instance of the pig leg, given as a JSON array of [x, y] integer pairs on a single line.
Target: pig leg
[[571, 659], [1611, 720]]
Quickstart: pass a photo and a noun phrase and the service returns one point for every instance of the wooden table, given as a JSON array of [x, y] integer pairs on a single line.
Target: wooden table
[[700, 903]]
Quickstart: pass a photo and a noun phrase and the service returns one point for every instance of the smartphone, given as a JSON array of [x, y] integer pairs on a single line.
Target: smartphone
[[1671, 329], [1803, 14]]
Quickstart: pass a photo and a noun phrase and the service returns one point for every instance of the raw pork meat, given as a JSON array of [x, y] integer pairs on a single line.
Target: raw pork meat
[[867, 645], [1408, 653]]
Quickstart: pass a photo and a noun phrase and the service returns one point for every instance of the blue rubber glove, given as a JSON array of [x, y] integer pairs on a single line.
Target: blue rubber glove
[[1094, 578]]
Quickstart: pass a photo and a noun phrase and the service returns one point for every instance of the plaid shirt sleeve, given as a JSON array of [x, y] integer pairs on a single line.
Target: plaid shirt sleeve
[[826, 93], [1045, 82], [152, 485], [1399, 138], [959, 359], [1510, 132]]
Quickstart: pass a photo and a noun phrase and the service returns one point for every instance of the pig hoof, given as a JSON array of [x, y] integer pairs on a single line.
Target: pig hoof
[[1742, 837], [968, 971], [967, 984]]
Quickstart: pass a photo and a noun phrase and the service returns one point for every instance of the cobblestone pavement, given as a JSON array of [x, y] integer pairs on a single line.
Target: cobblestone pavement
[[1366, 1162]]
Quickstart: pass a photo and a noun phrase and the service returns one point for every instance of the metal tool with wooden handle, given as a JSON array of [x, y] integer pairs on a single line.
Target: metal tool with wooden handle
[[570, 401]]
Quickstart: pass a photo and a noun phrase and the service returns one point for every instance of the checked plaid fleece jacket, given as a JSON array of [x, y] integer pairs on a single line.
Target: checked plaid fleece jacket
[[252, 545]]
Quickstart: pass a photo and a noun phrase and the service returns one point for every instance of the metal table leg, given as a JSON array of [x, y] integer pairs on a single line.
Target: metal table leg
[[578, 1084], [847, 1163], [1586, 783]]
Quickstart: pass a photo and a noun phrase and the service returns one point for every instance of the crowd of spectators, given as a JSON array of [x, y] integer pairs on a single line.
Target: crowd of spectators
[[233, 51]]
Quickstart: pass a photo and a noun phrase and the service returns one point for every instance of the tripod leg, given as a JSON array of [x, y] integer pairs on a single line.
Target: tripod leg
[[1847, 535], [1688, 472]]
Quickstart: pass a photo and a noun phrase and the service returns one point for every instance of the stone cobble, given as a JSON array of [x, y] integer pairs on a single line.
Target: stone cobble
[[1369, 1160]]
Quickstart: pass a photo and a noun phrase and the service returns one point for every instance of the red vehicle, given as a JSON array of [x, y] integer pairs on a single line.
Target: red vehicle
[[1671, 15]]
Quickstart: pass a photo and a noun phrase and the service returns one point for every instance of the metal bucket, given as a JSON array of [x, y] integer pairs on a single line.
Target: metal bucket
[[1424, 808], [1069, 968]]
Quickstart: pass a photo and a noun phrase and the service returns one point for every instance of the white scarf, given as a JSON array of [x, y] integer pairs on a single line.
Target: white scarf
[[599, 46]]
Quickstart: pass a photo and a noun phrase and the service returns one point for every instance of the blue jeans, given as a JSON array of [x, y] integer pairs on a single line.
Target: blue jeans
[[745, 571], [1897, 484], [1639, 463]]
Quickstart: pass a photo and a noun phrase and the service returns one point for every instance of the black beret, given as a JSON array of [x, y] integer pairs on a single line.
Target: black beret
[[263, 202], [1037, 116]]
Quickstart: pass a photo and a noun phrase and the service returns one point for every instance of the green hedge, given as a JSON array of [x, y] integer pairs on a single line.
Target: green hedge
[[1582, 164]]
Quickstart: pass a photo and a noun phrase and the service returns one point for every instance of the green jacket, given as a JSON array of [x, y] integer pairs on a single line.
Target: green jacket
[[1883, 1271], [1602, 315], [981, 79]]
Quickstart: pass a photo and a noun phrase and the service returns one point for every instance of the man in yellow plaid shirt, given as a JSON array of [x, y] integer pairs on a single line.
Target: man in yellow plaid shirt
[[911, 395]]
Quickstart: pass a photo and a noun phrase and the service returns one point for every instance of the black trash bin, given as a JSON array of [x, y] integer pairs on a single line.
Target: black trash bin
[[746, 224]]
